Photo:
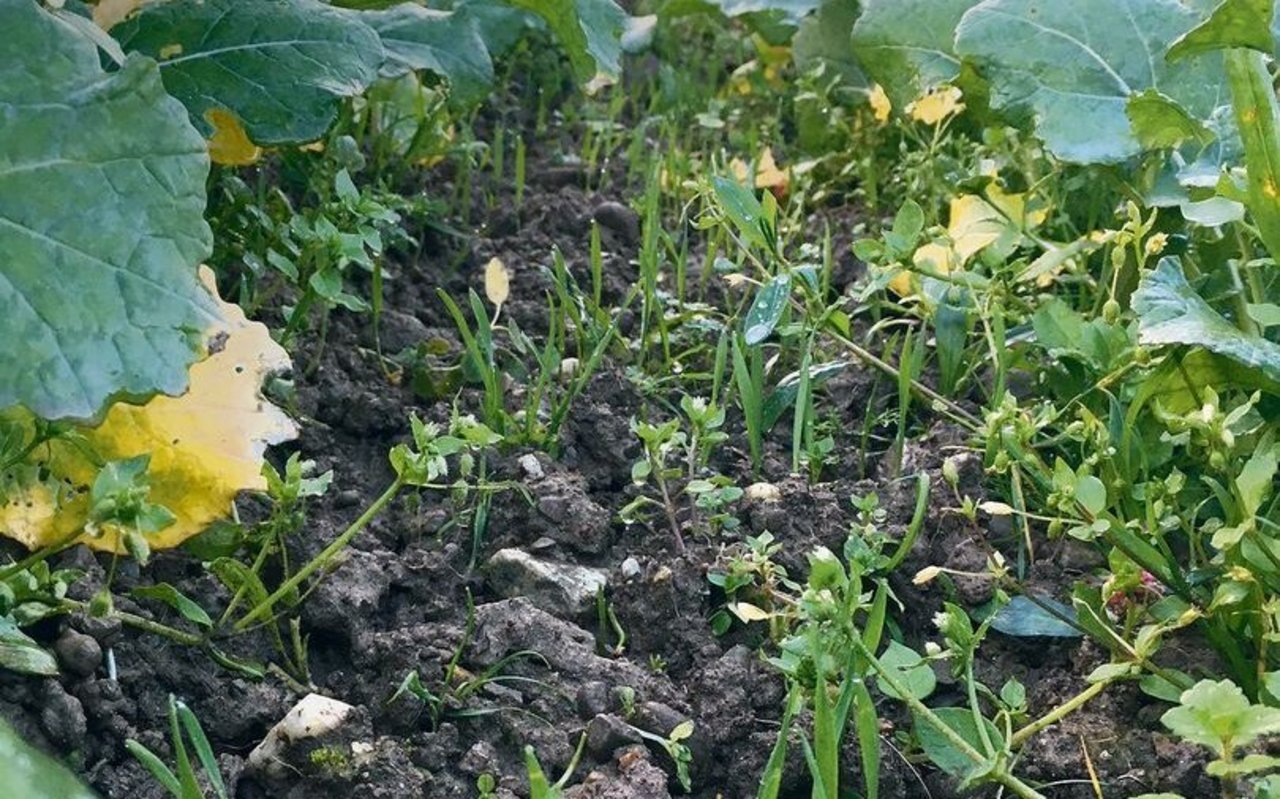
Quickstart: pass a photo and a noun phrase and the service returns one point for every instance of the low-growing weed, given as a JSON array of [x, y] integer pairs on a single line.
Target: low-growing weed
[[182, 781]]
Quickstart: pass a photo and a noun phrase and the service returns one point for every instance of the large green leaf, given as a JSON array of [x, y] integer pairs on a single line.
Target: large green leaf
[[1235, 23], [101, 224], [908, 46], [447, 43], [590, 31], [31, 774], [1073, 67], [786, 12], [501, 26], [280, 66], [1170, 312], [826, 37]]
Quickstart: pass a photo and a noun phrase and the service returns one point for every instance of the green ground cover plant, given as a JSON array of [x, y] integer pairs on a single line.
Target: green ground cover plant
[[823, 398]]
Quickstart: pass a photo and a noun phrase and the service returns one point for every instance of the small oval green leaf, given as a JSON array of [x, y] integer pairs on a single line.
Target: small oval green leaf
[[766, 309]]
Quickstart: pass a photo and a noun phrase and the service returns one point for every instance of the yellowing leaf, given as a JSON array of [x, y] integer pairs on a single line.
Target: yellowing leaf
[[937, 105], [768, 176], [108, 13], [936, 258], [931, 257], [748, 612], [229, 144], [974, 224], [880, 105], [1014, 206], [497, 281], [206, 446]]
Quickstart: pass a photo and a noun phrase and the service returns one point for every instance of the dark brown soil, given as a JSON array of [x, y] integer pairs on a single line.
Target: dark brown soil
[[398, 602]]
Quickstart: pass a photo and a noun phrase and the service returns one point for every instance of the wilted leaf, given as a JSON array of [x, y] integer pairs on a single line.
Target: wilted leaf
[[1170, 312], [101, 224], [880, 105], [974, 225], [205, 446], [907, 46], [936, 105], [280, 67], [748, 612], [768, 176], [229, 145], [933, 257], [107, 13], [497, 281]]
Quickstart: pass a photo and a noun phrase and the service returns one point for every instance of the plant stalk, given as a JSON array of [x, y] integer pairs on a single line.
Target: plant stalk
[[326, 555], [998, 772]]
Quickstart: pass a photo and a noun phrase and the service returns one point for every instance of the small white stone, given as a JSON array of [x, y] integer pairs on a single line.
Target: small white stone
[[568, 368], [531, 466], [631, 569], [763, 492], [362, 752], [314, 715]]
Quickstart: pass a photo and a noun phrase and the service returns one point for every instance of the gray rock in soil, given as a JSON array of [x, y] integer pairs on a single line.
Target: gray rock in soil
[[531, 466], [398, 331], [576, 520], [481, 758], [78, 653], [606, 733], [563, 589], [62, 717], [346, 599], [618, 218], [658, 718], [106, 631], [593, 698], [632, 775]]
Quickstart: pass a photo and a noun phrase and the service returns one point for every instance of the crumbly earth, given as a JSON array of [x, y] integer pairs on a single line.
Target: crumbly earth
[[398, 602]]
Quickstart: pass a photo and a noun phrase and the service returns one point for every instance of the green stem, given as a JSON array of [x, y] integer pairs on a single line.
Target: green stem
[[144, 624], [922, 392], [917, 522], [326, 555], [998, 772], [1058, 713], [40, 554]]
